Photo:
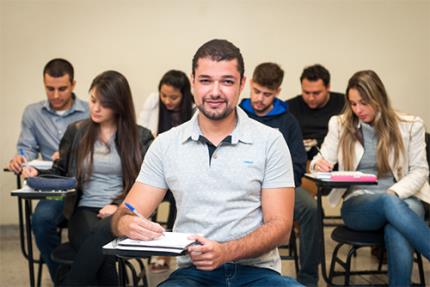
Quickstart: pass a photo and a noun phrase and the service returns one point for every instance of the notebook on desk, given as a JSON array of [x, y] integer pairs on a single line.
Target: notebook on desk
[[171, 243], [352, 176]]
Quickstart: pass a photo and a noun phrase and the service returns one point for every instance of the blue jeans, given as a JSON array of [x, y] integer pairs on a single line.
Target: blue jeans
[[404, 229], [45, 219], [305, 213], [229, 274]]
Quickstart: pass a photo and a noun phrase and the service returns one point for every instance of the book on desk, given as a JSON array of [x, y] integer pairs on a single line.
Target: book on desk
[[344, 176], [169, 244]]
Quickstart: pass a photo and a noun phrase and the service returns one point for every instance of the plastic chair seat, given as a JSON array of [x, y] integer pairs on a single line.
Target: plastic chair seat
[[343, 234]]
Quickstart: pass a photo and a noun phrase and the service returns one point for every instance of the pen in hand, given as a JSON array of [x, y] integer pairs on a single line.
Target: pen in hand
[[323, 164], [132, 209], [22, 153], [158, 229]]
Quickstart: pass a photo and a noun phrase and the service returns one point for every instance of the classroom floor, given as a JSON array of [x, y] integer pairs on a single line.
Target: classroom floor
[[13, 267]]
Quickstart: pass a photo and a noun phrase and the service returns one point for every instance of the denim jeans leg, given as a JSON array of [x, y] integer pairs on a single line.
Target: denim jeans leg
[[405, 229], [399, 256], [228, 275], [399, 250], [256, 277], [305, 213], [45, 219]]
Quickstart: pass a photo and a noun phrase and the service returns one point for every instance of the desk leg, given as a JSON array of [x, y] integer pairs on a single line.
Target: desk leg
[[322, 238], [21, 228], [121, 271], [27, 204]]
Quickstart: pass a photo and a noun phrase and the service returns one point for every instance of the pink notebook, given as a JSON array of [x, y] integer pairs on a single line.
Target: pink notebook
[[353, 176]]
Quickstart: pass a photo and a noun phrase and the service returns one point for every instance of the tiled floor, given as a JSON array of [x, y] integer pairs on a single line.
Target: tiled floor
[[13, 267]]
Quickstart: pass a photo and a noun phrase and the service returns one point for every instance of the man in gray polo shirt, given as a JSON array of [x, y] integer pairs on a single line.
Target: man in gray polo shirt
[[232, 179]]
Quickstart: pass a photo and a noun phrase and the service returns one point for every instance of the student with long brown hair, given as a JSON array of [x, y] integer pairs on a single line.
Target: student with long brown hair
[[104, 153], [371, 137]]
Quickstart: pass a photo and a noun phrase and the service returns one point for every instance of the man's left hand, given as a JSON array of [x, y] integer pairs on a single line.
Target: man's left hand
[[207, 255]]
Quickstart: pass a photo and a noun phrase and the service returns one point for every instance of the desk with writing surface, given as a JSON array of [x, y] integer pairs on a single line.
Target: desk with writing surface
[[26, 195]]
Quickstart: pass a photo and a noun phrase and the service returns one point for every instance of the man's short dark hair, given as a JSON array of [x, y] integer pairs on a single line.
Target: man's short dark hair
[[59, 67], [220, 50], [316, 72], [268, 75]]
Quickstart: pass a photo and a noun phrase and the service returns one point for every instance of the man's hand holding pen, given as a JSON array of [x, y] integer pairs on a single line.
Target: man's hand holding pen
[[135, 226]]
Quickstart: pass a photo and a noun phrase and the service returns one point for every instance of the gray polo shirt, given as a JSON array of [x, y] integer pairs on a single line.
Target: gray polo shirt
[[220, 198]]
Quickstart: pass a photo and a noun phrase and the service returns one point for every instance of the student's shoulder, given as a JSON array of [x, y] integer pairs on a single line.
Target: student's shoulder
[[295, 101], [259, 131], [338, 97], [36, 106], [407, 121], [151, 102], [144, 133]]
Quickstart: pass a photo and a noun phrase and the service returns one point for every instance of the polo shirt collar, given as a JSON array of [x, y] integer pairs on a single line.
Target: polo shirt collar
[[78, 106], [192, 130]]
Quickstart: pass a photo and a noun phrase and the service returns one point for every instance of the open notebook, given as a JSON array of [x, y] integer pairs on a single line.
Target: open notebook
[[170, 242], [355, 176]]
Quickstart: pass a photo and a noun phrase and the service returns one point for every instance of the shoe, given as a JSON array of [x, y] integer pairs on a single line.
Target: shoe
[[159, 266]]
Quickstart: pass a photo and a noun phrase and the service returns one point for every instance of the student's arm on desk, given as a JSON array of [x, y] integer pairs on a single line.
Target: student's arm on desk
[[145, 199], [277, 206]]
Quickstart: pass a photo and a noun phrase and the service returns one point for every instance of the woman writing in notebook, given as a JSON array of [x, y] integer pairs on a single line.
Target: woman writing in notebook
[[170, 107], [372, 138], [104, 153]]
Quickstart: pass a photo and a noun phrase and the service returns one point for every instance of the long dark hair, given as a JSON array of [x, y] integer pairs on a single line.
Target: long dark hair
[[114, 93], [180, 81]]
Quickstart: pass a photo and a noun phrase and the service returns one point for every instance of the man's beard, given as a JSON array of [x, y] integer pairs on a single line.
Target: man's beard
[[215, 115], [263, 110]]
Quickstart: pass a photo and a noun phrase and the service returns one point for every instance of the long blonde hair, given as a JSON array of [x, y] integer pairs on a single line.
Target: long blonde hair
[[386, 122]]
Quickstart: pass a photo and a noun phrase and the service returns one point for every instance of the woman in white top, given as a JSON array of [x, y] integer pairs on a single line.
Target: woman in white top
[[170, 107], [370, 137]]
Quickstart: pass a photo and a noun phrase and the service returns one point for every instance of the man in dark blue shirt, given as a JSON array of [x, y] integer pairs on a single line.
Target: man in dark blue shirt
[[264, 107]]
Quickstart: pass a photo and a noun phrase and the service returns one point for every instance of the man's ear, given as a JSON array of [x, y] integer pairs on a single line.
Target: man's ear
[[278, 91], [242, 84]]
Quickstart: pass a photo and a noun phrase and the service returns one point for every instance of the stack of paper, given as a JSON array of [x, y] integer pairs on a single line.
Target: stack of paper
[[40, 164], [170, 242]]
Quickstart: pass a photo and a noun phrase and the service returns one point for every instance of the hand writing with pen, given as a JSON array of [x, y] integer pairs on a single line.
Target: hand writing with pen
[[322, 164]]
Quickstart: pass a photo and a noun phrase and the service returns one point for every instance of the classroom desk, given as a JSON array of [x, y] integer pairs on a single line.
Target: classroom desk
[[122, 256], [26, 238], [325, 184]]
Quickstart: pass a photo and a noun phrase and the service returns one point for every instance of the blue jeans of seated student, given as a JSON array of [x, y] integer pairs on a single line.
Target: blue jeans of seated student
[[305, 213], [45, 219], [404, 229], [229, 274]]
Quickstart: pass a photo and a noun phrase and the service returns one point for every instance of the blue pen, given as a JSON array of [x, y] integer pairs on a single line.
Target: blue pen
[[22, 153], [132, 209]]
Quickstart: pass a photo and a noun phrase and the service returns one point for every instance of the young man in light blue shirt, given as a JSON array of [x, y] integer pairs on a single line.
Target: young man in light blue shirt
[[42, 127]]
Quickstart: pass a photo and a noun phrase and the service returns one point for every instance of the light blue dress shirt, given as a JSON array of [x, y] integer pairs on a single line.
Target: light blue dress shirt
[[42, 127]]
